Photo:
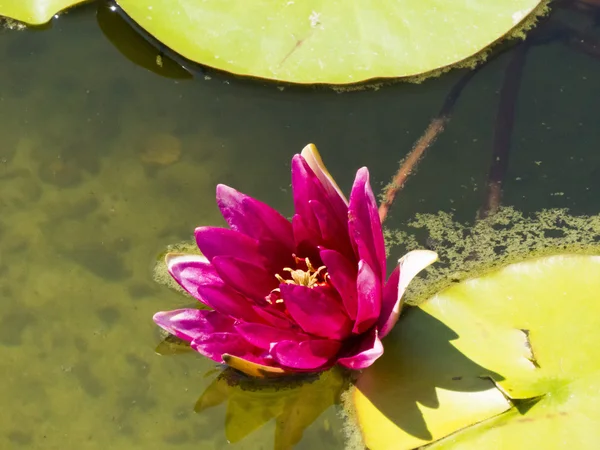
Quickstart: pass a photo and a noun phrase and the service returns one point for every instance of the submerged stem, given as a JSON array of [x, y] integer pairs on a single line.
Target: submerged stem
[[436, 126], [503, 128]]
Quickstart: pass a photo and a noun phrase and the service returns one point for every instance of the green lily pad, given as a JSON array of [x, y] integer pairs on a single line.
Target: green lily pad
[[320, 41], [422, 389], [533, 329], [34, 12]]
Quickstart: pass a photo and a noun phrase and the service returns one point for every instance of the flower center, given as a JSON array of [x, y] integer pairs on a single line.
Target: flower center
[[310, 277]]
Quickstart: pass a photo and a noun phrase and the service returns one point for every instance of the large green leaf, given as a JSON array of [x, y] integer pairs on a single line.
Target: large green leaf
[[422, 389], [328, 41], [34, 12], [533, 326]]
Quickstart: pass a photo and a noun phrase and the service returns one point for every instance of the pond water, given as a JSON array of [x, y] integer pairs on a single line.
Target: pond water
[[104, 163]]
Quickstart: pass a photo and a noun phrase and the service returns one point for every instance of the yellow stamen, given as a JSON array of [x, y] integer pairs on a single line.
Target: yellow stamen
[[308, 278]]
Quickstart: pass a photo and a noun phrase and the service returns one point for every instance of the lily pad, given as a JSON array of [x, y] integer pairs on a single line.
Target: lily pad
[[320, 41], [422, 388], [34, 12], [533, 327]]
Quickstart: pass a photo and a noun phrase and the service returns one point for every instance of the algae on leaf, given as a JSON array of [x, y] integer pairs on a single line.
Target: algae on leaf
[[34, 12], [532, 328], [332, 42]]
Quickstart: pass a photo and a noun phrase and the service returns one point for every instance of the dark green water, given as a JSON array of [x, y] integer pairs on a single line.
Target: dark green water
[[87, 202]]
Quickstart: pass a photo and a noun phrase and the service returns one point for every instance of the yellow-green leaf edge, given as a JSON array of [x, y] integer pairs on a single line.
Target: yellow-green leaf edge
[[532, 326], [331, 41], [35, 12]]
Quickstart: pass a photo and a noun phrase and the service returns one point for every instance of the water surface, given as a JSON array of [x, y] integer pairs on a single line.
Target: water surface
[[103, 163]]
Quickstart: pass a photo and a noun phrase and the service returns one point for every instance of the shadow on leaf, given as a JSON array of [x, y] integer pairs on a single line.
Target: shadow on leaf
[[419, 366]]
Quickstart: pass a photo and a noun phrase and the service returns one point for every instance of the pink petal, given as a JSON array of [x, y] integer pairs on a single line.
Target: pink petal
[[365, 225], [189, 323], [317, 310], [306, 240], [333, 233], [200, 279], [273, 317], [409, 266], [343, 278], [389, 299], [306, 355], [264, 336], [365, 354], [368, 288], [313, 159], [214, 345], [248, 279], [304, 191], [254, 218], [215, 241]]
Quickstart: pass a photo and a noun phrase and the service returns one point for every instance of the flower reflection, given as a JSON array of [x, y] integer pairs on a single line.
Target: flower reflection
[[294, 404]]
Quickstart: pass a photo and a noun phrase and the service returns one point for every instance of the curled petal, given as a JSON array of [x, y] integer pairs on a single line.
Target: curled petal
[[389, 298], [200, 279], [304, 190], [365, 225], [254, 218], [306, 355], [365, 354], [189, 324], [343, 278], [368, 288], [409, 266], [313, 159], [317, 310], [264, 336]]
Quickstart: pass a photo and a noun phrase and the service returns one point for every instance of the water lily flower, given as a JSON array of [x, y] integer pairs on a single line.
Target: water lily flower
[[295, 295]]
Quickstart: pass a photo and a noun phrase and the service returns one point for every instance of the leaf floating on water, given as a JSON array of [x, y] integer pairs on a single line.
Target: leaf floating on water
[[35, 12], [533, 327], [316, 41]]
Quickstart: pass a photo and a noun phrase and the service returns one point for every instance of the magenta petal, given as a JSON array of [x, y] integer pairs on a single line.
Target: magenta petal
[[334, 234], [334, 193], [189, 324], [214, 345], [343, 278], [366, 353], [304, 237], [254, 218], [306, 355], [365, 225], [272, 316], [264, 336], [200, 279], [368, 288], [307, 186], [215, 241], [248, 279], [389, 299], [316, 310], [304, 190]]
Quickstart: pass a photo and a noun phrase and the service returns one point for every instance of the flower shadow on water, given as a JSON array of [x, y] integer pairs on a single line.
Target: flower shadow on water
[[419, 362], [293, 402]]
